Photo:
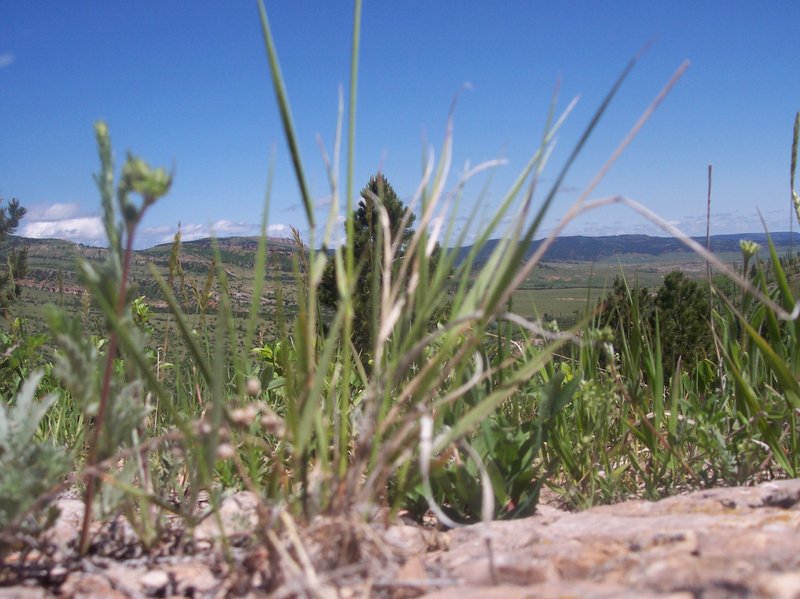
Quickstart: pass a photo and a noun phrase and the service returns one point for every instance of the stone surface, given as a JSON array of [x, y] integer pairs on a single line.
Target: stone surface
[[734, 542], [89, 586], [238, 515], [193, 580], [715, 543], [65, 529], [155, 582], [21, 592]]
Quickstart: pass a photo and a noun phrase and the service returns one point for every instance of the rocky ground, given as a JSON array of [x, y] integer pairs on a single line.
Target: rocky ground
[[728, 542]]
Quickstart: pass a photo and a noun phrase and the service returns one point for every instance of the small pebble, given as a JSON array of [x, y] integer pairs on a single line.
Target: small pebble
[[155, 582]]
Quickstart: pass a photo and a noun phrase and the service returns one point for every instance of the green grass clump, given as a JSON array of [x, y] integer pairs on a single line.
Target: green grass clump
[[30, 467]]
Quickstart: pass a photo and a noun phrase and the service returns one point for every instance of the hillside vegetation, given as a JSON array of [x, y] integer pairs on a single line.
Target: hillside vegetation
[[52, 276], [574, 273]]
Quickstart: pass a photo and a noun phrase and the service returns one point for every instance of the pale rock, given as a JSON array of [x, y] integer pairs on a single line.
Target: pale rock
[[20, 592], [412, 539], [89, 586], [782, 586], [238, 514], [412, 571], [154, 582], [192, 579], [66, 527], [711, 543]]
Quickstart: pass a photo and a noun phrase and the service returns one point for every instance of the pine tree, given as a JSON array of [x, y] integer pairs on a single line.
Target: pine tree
[[17, 261], [366, 224]]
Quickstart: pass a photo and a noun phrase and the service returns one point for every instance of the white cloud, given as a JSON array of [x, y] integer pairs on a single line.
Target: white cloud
[[279, 231], [150, 236], [338, 234], [226, 227], [86, 229], [62, 220], [6, 58], [732, 222], [323, 201], [159, 230], [57, 211], [190, 232]]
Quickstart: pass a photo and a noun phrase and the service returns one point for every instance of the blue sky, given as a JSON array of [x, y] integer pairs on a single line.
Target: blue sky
[[187, 84]]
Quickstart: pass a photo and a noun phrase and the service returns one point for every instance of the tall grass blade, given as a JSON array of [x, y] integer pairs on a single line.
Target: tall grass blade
[[286, 114]]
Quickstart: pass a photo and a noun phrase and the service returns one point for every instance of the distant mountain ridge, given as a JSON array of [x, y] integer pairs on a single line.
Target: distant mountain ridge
[[568, 248], [582, 248]]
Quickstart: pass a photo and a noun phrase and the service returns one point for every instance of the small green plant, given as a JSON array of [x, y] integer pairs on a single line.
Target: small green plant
[[21, 355], [30, 466], [110, 392]]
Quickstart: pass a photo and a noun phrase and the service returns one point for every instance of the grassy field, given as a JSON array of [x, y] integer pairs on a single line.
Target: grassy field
[[566, 290]]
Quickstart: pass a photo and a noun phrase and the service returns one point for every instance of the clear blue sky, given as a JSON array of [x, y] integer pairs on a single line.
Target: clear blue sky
[[187, 84]]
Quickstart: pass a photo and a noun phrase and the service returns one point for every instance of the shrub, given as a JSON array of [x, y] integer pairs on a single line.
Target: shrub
[[676, 315], [29, 466], [683, 313]]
